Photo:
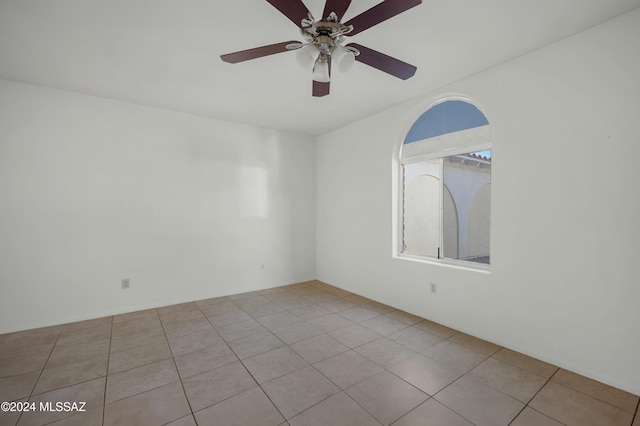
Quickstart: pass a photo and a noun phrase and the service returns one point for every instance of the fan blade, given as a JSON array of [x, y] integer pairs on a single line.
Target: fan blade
[[322, 89], [257, 52], [379, 13], [337, 6], [295, 10], [384, 62]]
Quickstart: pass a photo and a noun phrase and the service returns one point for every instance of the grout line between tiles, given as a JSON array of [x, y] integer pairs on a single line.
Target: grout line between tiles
[[526, 404], [260, 385], [445, 405], [533, 397], [41, 371], [460, 377], [415, 408], [45, 364], [269, 398], [106, 377], [146, 364], [539, 412], [248, 371], [589, 395], [523, 368], [173, 358]]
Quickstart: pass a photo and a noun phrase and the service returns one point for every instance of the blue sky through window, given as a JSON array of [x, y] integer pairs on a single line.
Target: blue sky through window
[[485, 153], [446, 117]]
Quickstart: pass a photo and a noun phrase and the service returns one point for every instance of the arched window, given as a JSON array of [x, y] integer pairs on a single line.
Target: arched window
[[445, 166]]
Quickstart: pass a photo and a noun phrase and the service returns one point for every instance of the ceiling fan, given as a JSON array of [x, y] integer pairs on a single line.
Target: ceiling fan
[[325, 40]]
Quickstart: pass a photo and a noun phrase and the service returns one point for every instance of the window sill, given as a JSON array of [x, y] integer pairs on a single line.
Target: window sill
[[447, 263]]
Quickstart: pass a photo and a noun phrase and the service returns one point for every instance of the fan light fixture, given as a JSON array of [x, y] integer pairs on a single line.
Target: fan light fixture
[[324, 44], [323, 47]]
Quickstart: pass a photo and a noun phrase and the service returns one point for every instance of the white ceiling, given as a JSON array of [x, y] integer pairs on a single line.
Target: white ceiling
[[165, 53]]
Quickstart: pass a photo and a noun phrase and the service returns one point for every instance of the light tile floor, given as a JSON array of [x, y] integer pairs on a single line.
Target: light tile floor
[[305, 354]]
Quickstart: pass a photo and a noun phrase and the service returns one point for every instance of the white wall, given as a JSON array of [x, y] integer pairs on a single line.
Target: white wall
[[565, 206], [94, 190]]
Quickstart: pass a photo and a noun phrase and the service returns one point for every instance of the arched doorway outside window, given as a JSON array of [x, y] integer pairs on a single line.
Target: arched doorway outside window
[[445, 165]]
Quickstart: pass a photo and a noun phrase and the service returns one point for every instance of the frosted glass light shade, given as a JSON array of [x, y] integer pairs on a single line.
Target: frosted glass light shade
[[321, 72], [307, 55], [343, 58]]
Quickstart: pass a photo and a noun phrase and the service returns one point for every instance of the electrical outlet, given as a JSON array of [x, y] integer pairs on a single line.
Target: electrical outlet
[[434, 288], [125, 283]]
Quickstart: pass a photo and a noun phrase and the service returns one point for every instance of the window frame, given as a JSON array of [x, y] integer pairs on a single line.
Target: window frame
[[443, 151]]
